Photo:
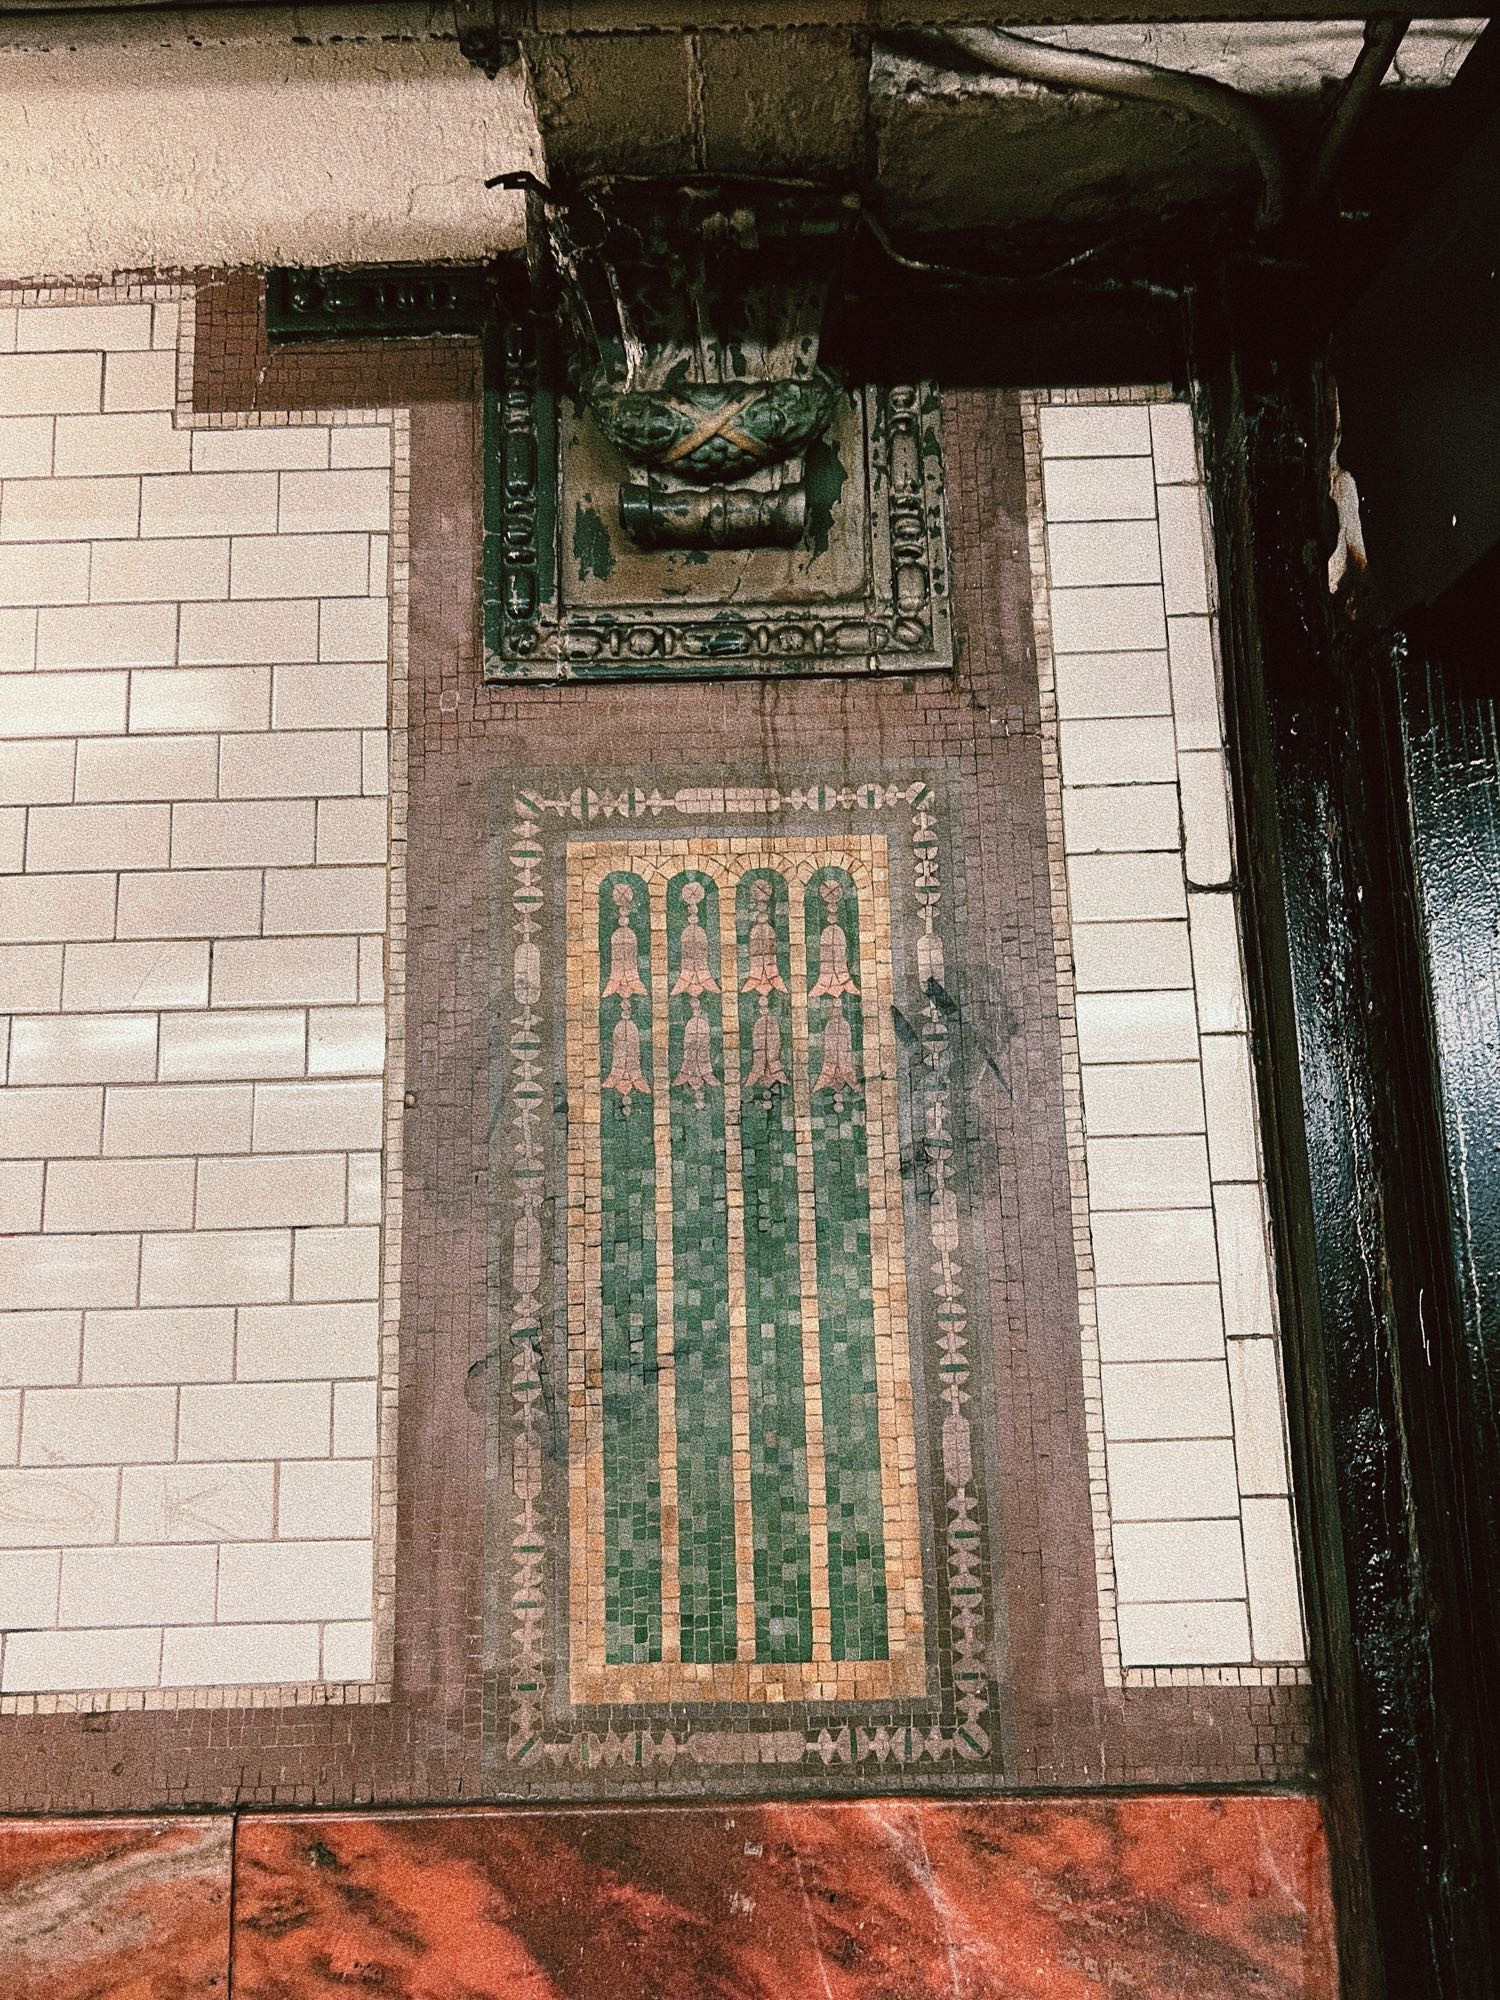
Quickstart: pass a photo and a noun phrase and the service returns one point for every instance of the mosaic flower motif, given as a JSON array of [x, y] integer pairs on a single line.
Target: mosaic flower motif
[[624, 949], [625, 1073], [767, 1069], [694, 976], [697, 1071], [834, 976], [838, 1072], [764, 975]]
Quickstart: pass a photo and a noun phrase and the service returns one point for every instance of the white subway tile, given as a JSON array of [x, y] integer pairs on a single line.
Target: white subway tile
[[45, 1508], [1244, 1261], [166, 323], [1154, 1246], [1095, 430], [161, 1344], [307, 1342], [366, 1189], [167, 1119], [1259, 1416], [1208, 849], [331, 1264], [346, 1041], [261, 1190], [1173, 444], [232, 1044], [360, 444], [28, 1588], [169, 572], [37, 1124], [354, 628], [1145, 957], [1195, 684], [133, 442], [35, 773], [1092, 686], [251, 1655], [83, 1048], [254, 1420], [324, 1499], [1148, 1173], [1173, 1479], [1121, 618], [105, 1427], [208, 503], [1214, 923], [42, 385], [1131, 1100], [62, 704], [213, 1267], [1184, 550], [318, 1117], [269, 448], [255, 971], [1105, 888], [48, 329], [68, 510], [141, 382], [1121, 819], [299, 566], [21, 1197], [25, 447], [1165, 1399], [12, 839], [74, 839], [290, 764], [354, 1426], [202, 902], [228, 833], [314, 698], [10, 1426], [18, 639], [145, 974], [164, 768], [125, 1586], [352, 830], [38, 1349], [348, 1648], [376, 753], [326, 1579], [1184, 1635], [44, 573], [1160, 1562], [107, 635], [1098, 489], [322, 501], [104, 1195], [56, 908], [1275, 1595], [372, 969], [65, 1662], [1136, 751], [168, 699], [196, 1503], [326, 901], [1229, 1099], [1159, 1322], [243, 631], [1085, 553]]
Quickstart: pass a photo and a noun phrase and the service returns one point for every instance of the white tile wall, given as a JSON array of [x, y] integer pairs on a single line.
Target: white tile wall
[[1198, 1557], [193, 896]]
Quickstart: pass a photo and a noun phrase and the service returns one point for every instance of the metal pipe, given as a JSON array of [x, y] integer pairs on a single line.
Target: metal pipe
[[1383, 38], [1116, 76]]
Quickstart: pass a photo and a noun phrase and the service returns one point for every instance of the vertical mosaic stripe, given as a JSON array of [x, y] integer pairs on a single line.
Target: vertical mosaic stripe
[[628, 1355], [846, 1316], [707, 1587], [779, 1479]]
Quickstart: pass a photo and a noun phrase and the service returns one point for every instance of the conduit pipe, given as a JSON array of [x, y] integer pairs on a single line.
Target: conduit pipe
[[1117, 76], [1383, 38]]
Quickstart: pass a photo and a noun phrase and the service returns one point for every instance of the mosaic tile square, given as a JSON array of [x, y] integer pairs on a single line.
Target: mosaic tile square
[[743, 1519]]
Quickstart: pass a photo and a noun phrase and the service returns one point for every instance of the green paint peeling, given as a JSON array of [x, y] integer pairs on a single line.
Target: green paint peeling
[[825, 479], [591, 545]]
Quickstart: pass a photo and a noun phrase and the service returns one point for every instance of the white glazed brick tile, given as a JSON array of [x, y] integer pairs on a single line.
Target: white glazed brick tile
[[1173, 443], [1154, 1247], [1105, 888], [335, 1264], [365, 1191], [354, 1419], [313, 1579], [18, 639], [372, 968], [1095, 430], [26, 447], [44, 573], [150, 973], [7, 330], [346, 1041], [219, 1655], [252, 971], [10, 1425], [262, 833], [119, 443], [290, 447], [1085, 553], [137, 1586], [46, 384], [12, 839], [63, 704], [318, 1117], [313, 502], [1098, 489], [376, 760], [215, 1267], [208, 503], [1271, 1568], [352, 830], [72, 510], [1148, 1173], [1112, 751], [31, 977], [1208, 848], [28, 1588], [63, 1662], [1146, 957], [312, 697], [186, 903], [20, 1196], [324, 901], [1091, 686], [245, 631], [57, 909], [170, 1119], [99, 1427], [271, 1189], [168, 572], [1217, 972], [107, 635], [1166, 1399], [1244, 1261], [43, 1507], [1185, 585], [75, 839], [1184, 1635], [1156, 1481], [324, 1500], [1136, 1100], [348, 1651], [104, 1195], [1160, 1322], [39, 1350], [298, 566], [35, 1124], [141, 382], [170, 699], [307, 1342], [83, 1048], [254, 1420], [1229, 1101], [1195, 683], [51, 328], [36, 773], [1259, 1420], [309, 764], [1118, 618], [159, 768], [360, 445], [197, 1503], [159, 1344], [1101, 819], [354, 628], [1160, 1562]]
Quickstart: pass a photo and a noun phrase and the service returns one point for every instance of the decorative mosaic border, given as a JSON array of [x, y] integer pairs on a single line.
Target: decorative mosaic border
[[537, 1741], [305, 1694]]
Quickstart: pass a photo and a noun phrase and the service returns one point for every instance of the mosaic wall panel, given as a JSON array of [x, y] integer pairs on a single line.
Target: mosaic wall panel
[[742, 1515]]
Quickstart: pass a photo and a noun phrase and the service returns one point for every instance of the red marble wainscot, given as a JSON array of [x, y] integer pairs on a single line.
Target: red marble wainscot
[[1159, 1898], [115, 1909]]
